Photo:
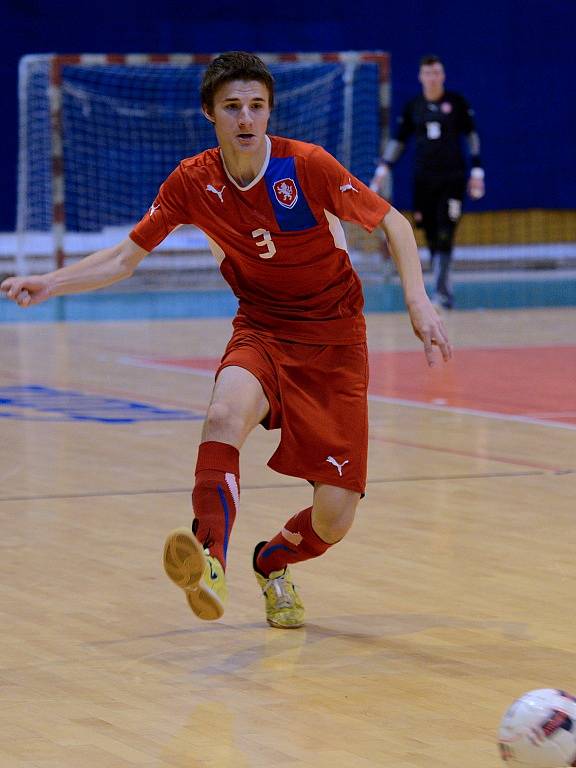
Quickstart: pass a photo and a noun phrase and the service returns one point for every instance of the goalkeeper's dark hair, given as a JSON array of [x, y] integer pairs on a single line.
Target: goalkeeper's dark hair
[[429, 59], [234, 65]]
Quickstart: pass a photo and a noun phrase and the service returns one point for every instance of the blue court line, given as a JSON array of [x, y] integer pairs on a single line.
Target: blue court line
[[165, 305], [33, 402]]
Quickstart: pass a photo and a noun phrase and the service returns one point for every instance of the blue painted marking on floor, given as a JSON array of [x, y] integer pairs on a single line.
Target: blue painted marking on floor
[[510, 293], [36, 403]]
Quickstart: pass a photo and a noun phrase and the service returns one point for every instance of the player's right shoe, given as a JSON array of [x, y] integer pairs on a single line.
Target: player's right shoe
[[193, 569], [284, 608]]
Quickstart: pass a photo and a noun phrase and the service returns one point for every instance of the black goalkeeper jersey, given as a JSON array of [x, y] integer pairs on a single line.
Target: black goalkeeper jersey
[[438, 127]]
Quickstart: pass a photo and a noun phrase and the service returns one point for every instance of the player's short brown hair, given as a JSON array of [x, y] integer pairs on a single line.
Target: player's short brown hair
[[429, 59], [234, 65]]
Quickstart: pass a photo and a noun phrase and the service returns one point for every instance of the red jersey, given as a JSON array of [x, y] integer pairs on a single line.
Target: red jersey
[[279, 241]]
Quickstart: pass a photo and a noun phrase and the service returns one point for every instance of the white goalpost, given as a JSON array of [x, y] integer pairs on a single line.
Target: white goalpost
[[98, 133]]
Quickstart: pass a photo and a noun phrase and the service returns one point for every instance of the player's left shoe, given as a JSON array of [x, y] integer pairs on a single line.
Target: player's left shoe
[[284, 608], [193, 569]]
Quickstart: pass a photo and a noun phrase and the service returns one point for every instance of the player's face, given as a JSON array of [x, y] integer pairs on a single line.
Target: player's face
[[240, 115], [432, 77]]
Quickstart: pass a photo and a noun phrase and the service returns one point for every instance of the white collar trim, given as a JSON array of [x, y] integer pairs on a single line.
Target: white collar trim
[[260, 174]]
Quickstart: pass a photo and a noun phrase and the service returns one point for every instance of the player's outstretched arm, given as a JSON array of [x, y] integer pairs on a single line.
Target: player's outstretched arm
[[97, 270], [426, 322], [392, 153], [381, 173]]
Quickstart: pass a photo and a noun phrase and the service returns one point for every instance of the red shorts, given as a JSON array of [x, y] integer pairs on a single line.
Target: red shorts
[[318, 398]]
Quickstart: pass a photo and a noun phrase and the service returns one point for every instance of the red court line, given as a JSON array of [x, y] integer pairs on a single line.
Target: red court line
[[199, 363], [533, 382], [521, 381]]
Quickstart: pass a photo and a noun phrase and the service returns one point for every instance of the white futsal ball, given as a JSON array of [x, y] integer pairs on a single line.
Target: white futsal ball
[[539, 730]]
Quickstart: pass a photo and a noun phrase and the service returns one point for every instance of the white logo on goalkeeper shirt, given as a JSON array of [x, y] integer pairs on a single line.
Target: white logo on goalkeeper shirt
[[153, 209], [433, 130], [218, 192], [348, 187], [339, 467]]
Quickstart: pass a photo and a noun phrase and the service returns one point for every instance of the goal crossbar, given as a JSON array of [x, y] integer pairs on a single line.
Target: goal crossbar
[[58, 209]]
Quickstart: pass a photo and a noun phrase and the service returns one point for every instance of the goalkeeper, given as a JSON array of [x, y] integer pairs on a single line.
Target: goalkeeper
[[297, 360], [438, 119]]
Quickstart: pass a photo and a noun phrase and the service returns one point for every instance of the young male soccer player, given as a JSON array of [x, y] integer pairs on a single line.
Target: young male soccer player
[[438, 119], [297, 359]]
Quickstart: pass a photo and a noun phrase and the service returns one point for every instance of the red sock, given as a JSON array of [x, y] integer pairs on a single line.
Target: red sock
[[216, 496], [297, 541]]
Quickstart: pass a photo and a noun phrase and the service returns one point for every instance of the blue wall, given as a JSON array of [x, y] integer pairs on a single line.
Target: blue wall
[[513, 60]]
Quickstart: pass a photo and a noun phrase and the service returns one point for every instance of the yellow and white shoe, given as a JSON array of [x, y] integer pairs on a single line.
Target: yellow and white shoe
[[284, 608], [193, 569]]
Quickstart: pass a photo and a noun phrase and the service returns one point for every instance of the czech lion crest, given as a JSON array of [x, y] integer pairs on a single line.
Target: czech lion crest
[[286, 192]]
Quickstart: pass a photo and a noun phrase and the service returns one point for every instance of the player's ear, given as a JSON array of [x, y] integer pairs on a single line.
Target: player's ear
[[207, 114]]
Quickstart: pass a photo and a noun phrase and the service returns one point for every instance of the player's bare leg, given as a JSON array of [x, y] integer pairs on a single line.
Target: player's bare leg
[[195, 559], [333, 511], [238, 405], [306, 535]]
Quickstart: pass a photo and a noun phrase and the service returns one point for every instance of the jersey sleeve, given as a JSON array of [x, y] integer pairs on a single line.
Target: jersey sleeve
[[341, 193], [168, 211], [466, 114], [405, 124]]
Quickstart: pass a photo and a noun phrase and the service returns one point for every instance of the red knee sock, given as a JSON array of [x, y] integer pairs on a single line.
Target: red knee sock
[[297, 541], [216, 496]]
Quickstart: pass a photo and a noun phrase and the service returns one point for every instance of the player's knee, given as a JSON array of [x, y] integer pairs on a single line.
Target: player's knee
[[334, 513], [218, 414], [222, 423], [333, 527]]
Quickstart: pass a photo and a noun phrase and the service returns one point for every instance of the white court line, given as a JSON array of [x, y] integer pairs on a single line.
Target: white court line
[[128, 360], [471, 412], [138, 363]]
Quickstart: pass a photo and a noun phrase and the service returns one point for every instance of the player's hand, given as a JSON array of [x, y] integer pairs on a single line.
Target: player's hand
[[26, 291], [382, 172], [476, 188], [429, 328]]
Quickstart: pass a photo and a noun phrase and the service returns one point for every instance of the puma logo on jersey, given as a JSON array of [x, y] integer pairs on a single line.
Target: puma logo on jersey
[[293, 538], [346, 187], [153, 208], [217, 192], [332, 460]]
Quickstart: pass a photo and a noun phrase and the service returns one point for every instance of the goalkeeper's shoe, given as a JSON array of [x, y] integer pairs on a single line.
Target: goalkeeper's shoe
[[284, 608], [194, 570]]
